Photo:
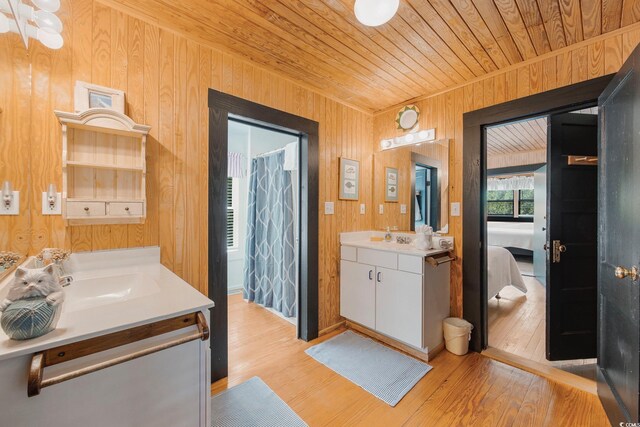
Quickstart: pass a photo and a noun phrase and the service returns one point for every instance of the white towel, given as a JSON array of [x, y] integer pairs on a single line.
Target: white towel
[[418, 210], [234, 165], [291, 156]]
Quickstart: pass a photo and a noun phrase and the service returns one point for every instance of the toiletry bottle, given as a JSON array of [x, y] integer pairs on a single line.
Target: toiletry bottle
[[387, 236]]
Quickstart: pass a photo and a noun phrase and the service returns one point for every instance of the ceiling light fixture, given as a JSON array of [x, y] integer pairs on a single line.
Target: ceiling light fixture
[[373, 13], [40, 24]]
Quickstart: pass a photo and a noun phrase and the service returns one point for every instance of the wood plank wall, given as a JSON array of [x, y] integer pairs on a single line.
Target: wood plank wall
[[166, 77], [588, 59]]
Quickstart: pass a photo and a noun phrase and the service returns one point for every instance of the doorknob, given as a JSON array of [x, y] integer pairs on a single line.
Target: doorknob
[[622, 272], [558, 248]]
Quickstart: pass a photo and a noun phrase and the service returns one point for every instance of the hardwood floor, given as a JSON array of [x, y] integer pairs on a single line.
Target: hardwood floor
[[517, 325], [459, 391]]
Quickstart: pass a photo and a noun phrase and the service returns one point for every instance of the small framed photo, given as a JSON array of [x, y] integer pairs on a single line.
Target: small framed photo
[[391, 185], [349, 179], [88, 95]]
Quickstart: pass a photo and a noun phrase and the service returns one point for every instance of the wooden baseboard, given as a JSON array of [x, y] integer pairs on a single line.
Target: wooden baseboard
[[546, 371], [391, 342], [332, 328]]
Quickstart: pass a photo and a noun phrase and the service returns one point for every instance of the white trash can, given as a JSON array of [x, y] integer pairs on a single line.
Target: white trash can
[[457, 334]]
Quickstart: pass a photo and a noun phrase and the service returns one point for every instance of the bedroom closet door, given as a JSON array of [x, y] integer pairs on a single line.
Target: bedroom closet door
[[572, 188]]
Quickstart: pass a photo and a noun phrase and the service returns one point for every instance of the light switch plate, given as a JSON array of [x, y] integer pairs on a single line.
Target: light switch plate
[[328, 208], [363, 209], [403, 209], [380, 209], [57, 209], [455, 209], [14, 209]]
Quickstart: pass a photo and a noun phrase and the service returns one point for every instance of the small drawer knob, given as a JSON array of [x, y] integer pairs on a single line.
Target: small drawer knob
[[86, 209], [127, 209]]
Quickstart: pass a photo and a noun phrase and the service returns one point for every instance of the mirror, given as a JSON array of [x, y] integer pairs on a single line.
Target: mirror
[[15, 153], [412, 185]]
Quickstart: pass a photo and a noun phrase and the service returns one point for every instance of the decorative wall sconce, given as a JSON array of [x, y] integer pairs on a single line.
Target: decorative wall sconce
[[10, 200], [413, 138], [51, 201], [40, 24]]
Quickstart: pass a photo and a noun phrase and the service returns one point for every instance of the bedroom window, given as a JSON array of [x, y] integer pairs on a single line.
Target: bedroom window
[[525, 202], [500, 203]]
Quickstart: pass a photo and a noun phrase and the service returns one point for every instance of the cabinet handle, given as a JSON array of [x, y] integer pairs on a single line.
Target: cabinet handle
[[370, 274], [379, 277], [57, 355]]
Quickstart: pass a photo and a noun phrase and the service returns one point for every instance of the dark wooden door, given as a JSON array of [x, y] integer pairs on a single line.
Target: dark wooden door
[[572, 218], [619, 244]]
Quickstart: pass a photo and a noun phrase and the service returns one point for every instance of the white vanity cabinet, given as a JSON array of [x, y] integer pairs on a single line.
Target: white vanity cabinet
[[395, 294], [399, 313]]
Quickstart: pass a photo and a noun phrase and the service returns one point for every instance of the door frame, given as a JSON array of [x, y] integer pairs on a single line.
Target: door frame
[[427, 162], [474, 273], [221, 107]]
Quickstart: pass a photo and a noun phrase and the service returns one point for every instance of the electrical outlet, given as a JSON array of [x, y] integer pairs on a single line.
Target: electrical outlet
[[403, 209], [362, 209], [57, 207], [380, 209], [455, 209], [328, 208]]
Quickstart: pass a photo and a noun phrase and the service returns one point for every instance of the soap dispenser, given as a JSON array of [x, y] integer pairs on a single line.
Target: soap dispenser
[[387, 236]]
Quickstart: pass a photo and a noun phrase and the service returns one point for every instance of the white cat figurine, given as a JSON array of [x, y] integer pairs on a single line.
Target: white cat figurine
[[33, 283]]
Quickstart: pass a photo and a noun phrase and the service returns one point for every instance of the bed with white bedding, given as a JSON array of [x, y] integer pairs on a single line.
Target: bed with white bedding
[[510, 234], [502, 271]]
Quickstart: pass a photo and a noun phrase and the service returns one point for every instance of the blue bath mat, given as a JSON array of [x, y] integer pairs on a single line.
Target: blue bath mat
[[385, 373], [254, 404]]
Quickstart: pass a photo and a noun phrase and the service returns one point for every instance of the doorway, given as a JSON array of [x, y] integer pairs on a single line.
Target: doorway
[[223, 110], [263, 217], [537, 191], [425, 186], [475, 292]]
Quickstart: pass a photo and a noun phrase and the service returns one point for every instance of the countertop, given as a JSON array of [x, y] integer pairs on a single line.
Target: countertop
[[362, 239], [407, 249], [170, 298]]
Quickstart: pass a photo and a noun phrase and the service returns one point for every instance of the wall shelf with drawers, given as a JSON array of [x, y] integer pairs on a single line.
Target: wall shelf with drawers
[[103, 168]]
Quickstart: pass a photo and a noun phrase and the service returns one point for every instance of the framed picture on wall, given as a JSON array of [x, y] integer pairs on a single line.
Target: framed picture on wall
[[88, 95], [349, 179], [391, 184]]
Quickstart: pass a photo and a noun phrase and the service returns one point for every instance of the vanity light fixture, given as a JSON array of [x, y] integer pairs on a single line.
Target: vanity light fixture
[[373, 13], [40, 24], [413, 138]]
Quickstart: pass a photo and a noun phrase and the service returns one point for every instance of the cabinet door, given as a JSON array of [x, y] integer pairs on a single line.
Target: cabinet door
[[164, 389], [358, 293], [399, 305]]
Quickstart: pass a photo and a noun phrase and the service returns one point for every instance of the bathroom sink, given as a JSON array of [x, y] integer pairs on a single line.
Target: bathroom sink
[[89, 292]]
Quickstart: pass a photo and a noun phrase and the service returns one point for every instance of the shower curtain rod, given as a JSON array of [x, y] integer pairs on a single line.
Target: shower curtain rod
[[274, 151]]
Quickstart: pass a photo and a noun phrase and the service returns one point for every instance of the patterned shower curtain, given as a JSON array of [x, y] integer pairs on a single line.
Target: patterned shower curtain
[[270, 264]]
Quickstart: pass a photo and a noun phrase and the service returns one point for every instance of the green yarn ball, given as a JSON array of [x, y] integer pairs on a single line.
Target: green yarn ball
[[29, 318]]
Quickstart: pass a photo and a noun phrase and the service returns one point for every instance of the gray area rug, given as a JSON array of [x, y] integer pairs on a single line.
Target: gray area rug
[[254, 404], [385, 373]]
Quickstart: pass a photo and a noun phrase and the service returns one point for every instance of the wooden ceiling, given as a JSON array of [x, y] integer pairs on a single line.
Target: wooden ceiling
[[428, 46], [529, 135]]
